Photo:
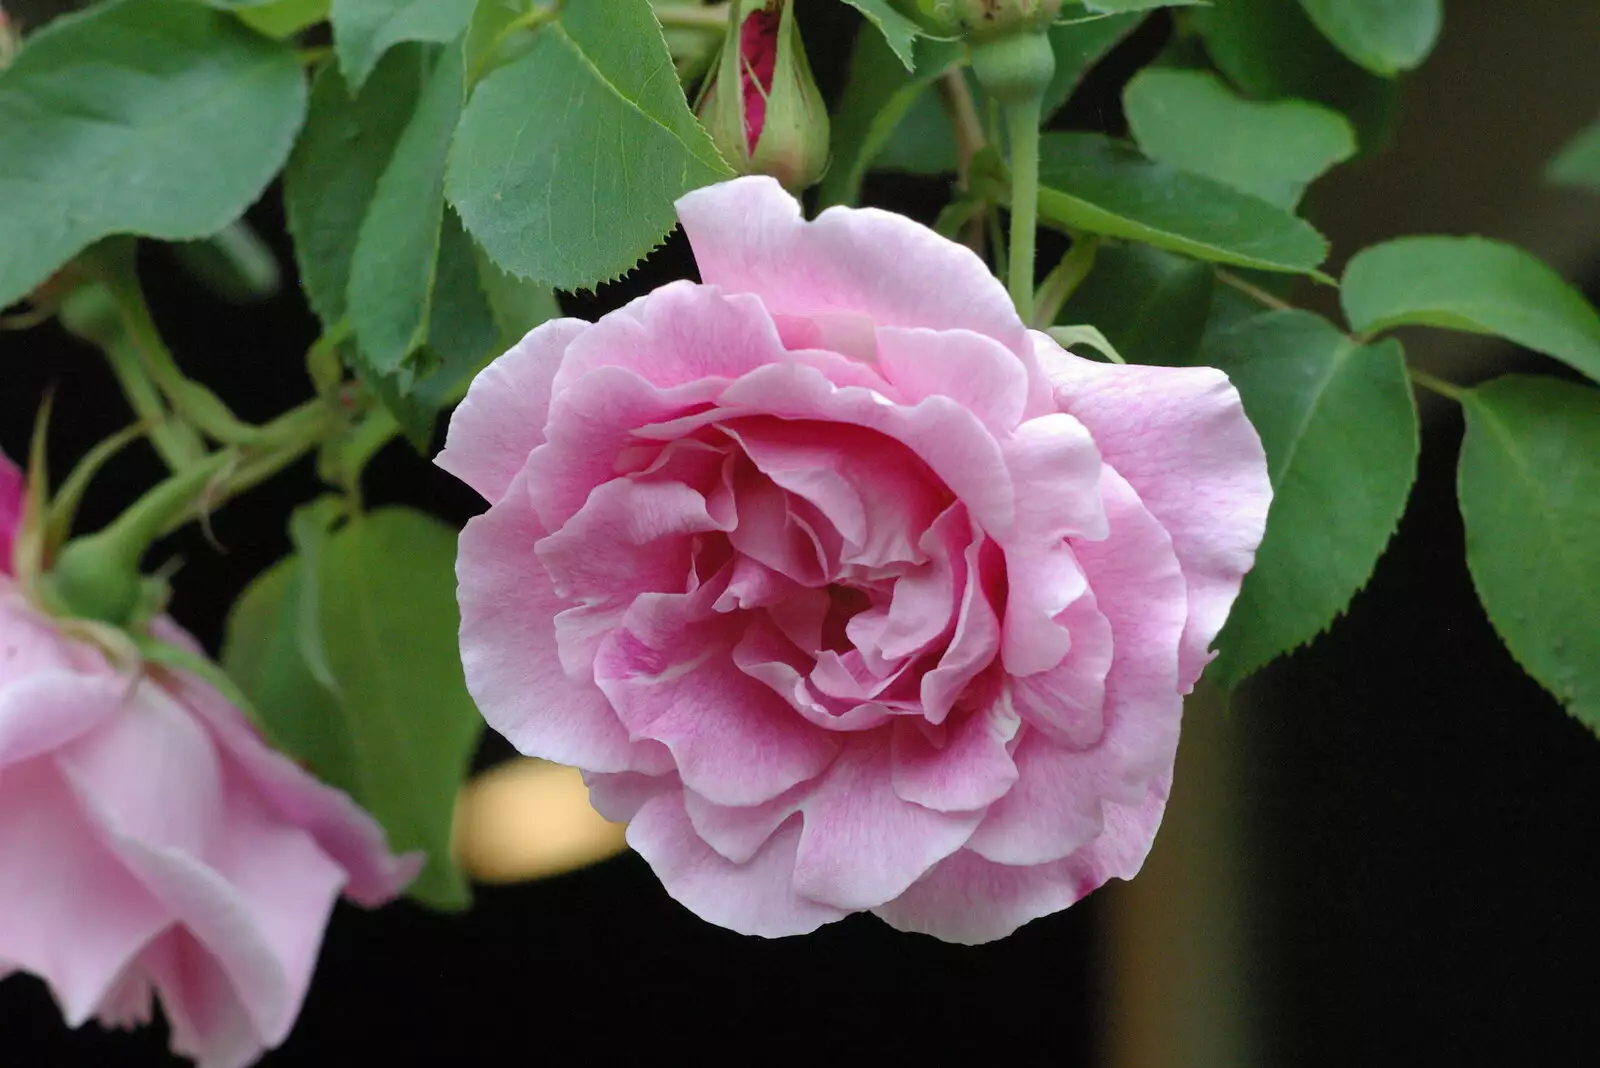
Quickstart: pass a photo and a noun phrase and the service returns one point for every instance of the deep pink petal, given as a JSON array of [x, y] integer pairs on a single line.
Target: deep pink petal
[[748, 236], [973, 645], [862, 844], [976, 371], [503, 416], [877, 494], [757, 897], [769, 656], [672, 679], [944, 435], [972, 770], [969, 900], [11, 501], [1180, 436], [69, 911], [738, 832], [508, 648], [1055, 807]]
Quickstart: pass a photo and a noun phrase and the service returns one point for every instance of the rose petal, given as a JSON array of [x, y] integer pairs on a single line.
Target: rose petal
[[508, 649], [1055, 807], [209, 1021], [756, 897], [503, 416], [1179, 435], [672, 678], [971, 771], [861, 844], [749, 237], [1067, 701], [677, 334], [972, 647], [11, 504], [970, 900], [69, 911], [976, 371], [49, 708]]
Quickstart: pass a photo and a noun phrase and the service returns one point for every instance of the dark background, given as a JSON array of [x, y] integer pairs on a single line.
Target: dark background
[[1383, 853]]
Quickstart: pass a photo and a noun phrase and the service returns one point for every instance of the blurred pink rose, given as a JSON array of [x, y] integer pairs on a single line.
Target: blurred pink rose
[[150, 842], [849, 591]]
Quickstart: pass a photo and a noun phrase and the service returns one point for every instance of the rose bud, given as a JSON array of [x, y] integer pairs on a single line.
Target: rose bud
[[981, 19], [776, 122], [152, 844]]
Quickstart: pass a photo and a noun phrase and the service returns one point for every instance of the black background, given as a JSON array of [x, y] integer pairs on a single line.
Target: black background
[[1420, 817]]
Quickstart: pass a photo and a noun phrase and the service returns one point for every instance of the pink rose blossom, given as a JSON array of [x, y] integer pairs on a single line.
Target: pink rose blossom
[[151, 843], [848, 590]]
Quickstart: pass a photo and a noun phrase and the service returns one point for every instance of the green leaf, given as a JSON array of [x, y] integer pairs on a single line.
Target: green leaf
[[1384, 36], [279, 18], [488, 41], [899, 31], [1270, 49], [461, 326], [877, 96], [568, 160], [1092, 183], [1340, 430], [1578, 164], [1152, 305], [1530, 496], [401, 738], [1476, 285], [141, 117], [1192, 121], [516, 304], [392, 267], [334, 170], [1079, 45], [363, 30]]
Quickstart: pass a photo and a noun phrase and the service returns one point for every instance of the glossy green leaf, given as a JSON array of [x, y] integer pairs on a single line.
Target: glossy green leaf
[[1530, 496], [1101, 186], [333, 173], [1340, 430], [1476, 285], [1151, 304], [877, 96], [1384, 36], [401, 732], [515, 304], [280, 18], [392, 267], [577, 190], [1270, 49], [141, 117], [1190, 120], [898, 30], [1578, 164], [363, 30], [490, 39]]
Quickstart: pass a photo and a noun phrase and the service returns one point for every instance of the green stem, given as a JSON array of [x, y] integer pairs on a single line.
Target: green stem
[[1438, 385], [177, 443], [1022, 124], [1254, 292], [1064, 279]]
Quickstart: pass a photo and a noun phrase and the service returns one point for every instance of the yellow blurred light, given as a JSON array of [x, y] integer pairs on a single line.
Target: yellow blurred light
[[530, 820]]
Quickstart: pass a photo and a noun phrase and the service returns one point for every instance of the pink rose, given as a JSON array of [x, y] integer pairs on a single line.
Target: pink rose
[[150, 842], [849, 591]]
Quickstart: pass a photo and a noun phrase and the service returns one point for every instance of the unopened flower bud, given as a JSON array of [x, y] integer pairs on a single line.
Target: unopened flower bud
[[762, 106], [981, 19]]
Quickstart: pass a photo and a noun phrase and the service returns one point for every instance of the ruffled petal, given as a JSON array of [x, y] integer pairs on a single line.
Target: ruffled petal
[[677, 334], [672, 679], [1056, 805], [508, 649], [862, 844], [1179, 435], [69, 911], [756, 898], [972, 770], [502, 418], [977, 372], [749, 237], [970, 900]]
